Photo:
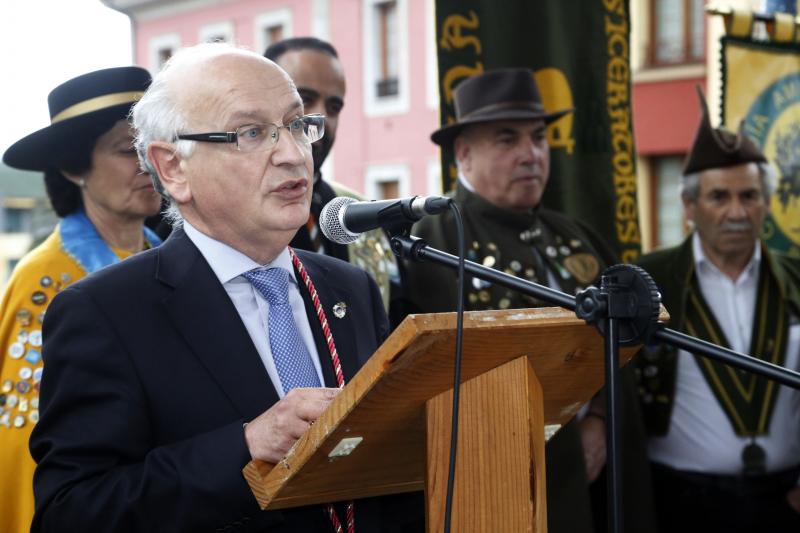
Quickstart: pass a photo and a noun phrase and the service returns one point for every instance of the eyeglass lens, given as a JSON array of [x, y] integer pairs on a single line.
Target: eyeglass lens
[[304, 130]]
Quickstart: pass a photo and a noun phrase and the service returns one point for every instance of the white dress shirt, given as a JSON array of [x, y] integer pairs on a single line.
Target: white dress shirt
[[229, 265], [700, 436]]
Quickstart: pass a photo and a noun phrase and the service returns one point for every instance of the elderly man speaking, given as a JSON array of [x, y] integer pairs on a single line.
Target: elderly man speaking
[[166, 374]]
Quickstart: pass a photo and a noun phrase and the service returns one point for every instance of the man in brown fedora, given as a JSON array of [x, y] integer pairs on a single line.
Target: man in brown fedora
[[500, 145], [724, 444]]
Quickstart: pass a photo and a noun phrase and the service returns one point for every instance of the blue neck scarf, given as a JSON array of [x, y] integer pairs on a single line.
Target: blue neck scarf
[[82, 242]]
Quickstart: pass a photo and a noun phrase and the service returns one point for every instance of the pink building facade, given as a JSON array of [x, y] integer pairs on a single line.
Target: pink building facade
[[383, 147]]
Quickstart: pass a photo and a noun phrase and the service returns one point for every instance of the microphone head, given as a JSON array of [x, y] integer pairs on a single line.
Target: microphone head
[[331, 221]]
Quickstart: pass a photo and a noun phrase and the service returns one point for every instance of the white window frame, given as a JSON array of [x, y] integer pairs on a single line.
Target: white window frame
[[398, 104], [431, 57], [277, 17], [208, 31], [377, 174], [434, 177], [156, 44], [320, 19]]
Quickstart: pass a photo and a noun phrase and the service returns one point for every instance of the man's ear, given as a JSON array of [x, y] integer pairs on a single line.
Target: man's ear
[[462, 151], [170, 168]]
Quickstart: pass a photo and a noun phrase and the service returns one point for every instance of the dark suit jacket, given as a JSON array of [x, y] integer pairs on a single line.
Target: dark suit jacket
[[150, 375]]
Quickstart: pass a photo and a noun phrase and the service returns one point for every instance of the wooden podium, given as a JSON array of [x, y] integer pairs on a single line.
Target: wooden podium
[[522, 369]]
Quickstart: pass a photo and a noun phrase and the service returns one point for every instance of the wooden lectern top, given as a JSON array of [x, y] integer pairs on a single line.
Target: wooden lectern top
[[384, 403]]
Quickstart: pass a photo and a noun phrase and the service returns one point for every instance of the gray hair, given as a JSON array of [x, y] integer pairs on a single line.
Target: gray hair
[[690, 184], [158, 117]]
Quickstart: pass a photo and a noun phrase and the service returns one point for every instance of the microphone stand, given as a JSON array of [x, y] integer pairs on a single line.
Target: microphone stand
[[625, 310]]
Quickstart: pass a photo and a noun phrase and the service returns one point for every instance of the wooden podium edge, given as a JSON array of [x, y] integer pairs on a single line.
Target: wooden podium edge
[[266, 480]]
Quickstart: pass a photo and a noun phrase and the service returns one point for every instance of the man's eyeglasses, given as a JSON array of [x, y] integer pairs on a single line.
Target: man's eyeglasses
[[260, 137]]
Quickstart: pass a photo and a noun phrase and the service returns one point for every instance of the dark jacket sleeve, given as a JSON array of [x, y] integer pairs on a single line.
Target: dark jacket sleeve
[[118, 480]]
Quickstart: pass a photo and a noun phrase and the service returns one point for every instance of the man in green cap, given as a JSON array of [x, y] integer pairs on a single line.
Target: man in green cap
[[724, 444], [500, 144]]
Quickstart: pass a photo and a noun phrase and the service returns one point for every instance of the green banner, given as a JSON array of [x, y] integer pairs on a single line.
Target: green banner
[[579, 51], [769, 105]]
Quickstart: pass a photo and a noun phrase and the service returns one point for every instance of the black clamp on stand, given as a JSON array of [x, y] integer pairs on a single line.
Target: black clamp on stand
[[625, 310]]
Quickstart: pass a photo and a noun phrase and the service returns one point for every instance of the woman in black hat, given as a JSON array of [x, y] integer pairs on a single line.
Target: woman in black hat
[[95, 185]]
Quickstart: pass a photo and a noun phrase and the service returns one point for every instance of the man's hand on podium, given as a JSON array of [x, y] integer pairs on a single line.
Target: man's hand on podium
[[270, 436]]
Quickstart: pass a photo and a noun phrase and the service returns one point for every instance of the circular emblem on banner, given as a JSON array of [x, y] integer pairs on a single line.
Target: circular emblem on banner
[[773, 122]]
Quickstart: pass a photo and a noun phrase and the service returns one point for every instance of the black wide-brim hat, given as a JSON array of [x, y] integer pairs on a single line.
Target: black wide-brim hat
[[499, 94], [89, 104]]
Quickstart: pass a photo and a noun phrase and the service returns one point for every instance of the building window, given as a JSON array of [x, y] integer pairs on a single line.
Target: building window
[[386, 84], [385, 56], [162, 48], [274, 34], [16, 220], [678, 31], [388, 189], [163, 55], [272, 27], [387, 181], [221, 32], [668, 222]]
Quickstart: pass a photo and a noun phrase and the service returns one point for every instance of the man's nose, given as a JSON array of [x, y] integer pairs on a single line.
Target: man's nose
[[530, 151], [737, 210], [288, 150]]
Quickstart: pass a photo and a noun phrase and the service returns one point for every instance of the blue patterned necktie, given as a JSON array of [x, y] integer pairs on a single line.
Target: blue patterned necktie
[[290, 354]]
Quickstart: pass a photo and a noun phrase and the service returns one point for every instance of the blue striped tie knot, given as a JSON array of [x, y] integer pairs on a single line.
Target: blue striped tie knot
[[289, 352]]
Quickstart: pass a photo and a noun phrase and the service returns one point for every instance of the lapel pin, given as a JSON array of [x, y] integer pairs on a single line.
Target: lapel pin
[[340, 309]]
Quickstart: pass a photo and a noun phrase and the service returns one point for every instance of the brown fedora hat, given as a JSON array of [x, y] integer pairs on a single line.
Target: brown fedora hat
[[718, 147], [88, 103], [498, 94]]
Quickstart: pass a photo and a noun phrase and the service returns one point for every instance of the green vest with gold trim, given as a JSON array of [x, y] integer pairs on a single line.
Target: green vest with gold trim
[[745, 399]]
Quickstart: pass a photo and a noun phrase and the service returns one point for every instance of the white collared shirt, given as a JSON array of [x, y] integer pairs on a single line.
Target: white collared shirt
[[700, 436], [229, 265]]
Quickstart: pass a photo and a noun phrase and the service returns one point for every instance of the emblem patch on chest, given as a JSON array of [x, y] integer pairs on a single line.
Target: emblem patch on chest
[[583, 266]]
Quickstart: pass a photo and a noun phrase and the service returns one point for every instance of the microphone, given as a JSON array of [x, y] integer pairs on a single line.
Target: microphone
[[343, 219]]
